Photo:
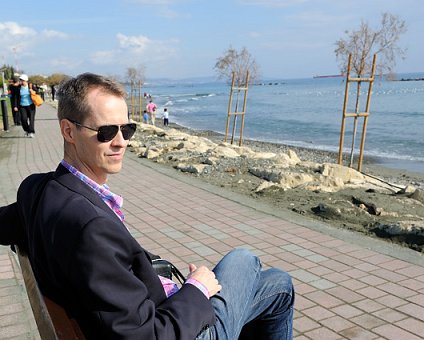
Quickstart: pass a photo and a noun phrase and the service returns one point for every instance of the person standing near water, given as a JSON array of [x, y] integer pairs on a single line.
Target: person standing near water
[[165, 117], [151, 110], [145, 117]]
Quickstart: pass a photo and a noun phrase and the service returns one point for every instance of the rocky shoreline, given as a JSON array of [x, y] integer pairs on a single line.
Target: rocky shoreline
[[379, 202]]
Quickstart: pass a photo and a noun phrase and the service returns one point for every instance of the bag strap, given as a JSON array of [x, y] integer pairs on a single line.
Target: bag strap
[[180, 277], [174, 270]]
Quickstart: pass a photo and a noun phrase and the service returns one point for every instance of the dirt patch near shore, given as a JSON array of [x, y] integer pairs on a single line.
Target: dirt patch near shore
[[377, 213]]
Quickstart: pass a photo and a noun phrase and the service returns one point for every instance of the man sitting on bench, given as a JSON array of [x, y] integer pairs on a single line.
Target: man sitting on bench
[[85, 259]]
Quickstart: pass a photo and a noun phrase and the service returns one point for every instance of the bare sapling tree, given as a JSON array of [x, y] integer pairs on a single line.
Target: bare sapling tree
[[361, 46], [135, 77], [237, 62], [238, 67], [363, 43]]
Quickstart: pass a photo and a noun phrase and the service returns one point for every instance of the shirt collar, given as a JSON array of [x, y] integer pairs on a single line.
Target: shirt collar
[[112, 200]]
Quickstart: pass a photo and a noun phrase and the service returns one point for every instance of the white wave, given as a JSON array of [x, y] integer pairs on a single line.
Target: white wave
[[392, 155]]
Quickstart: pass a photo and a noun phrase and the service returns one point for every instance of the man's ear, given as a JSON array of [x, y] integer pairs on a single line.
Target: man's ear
[[67, 130]]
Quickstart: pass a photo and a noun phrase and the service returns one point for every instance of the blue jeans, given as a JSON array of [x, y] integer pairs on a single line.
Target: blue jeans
[[253, 304]]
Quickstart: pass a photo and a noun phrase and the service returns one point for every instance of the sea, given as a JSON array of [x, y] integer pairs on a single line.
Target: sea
[[308, 113]]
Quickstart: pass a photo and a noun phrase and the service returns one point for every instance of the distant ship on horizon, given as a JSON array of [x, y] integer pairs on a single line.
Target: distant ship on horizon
[[330, 76]]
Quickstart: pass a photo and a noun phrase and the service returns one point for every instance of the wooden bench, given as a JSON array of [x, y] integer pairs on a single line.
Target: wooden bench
[[52, 321]]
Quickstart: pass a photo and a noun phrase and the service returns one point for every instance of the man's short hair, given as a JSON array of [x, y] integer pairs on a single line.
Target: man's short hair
[[72, 95]]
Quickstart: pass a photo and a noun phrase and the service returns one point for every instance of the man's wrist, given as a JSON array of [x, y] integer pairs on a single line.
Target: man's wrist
[[198, 285]]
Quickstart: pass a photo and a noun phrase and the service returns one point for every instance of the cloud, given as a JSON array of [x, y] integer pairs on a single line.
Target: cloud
[[104, 57], [145, 47], [65, 63], [14, 30], [51, 34], [136, 43], [20, 39], [134, 50], [15, 38]]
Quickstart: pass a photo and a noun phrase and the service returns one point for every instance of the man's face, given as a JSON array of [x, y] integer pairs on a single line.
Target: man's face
[[96, 159]]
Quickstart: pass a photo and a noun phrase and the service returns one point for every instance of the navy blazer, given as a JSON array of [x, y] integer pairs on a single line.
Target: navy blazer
[[84, 259]]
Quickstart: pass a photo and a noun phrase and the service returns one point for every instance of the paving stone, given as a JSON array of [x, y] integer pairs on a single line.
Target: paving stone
[[305, 324], [393, 332], [389, 315], [304, 276], [323, 333], [337, 323], [368, 321], [318, 313], [359, 333], [412, 325], [323, 284]]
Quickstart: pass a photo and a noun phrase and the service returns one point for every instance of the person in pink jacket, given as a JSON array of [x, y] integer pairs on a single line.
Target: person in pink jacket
[[151, 110]]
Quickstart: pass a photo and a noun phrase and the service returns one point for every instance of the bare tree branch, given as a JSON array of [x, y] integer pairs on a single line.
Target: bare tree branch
[[238, 62], [365, 42], [136, 75]]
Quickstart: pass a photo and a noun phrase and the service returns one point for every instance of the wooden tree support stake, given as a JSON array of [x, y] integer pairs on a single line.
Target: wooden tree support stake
[[357, 114], [239, 88]]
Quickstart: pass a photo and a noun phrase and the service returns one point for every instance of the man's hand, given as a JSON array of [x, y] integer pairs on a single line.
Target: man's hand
[[206, 277]]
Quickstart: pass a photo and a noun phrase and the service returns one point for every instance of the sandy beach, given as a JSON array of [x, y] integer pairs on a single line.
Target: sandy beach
[[383, 209]]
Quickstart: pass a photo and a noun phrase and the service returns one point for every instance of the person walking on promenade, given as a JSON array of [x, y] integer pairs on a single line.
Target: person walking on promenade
[[13, 91], [91, 265], [43, 91], [23, 103], [53, 91], [165, 117], [151, 110]]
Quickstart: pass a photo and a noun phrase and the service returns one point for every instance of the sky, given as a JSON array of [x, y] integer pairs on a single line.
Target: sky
[[177, 39]]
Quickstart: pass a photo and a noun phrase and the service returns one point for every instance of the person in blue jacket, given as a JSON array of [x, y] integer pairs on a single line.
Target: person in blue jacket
[[22, 102]]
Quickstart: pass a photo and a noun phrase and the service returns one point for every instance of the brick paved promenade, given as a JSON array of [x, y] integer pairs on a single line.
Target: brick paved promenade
[[348, 286]]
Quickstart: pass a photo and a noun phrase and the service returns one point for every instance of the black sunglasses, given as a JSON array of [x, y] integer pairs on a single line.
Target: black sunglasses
[[106, 133]]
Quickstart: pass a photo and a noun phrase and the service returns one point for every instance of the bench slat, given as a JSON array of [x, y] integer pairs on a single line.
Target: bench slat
[[52, 321]]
